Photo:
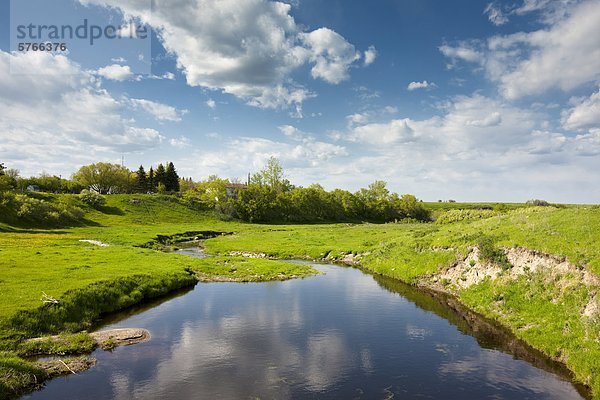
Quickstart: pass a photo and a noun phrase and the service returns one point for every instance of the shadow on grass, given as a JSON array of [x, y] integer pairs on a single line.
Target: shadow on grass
[[111, 210]]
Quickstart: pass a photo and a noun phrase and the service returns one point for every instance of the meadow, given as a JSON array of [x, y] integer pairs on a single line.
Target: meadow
[[90, 281]]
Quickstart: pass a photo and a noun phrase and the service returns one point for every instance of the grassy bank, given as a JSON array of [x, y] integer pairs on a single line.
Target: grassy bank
[[90, 280]]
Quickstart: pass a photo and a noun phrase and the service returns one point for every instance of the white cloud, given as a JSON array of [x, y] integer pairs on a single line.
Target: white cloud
[[331, 54], [116, 72], [550, 11], [564, 56], [180, 142], [420, 85], [476, 149], [162, 112], [495, 14], [248, 49], [370, 55], [63, 118], [211, 104], [358, 118], [384, 134], [585, 114], [463, 51]]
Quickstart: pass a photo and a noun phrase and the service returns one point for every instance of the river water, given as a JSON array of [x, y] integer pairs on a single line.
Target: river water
[[342, 335]]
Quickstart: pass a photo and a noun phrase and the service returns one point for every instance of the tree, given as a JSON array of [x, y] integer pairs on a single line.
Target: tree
[[171, 178], [151, 180], [104, 178], [272, 176], [160, 176], [12, 172], [2, 168], [141, 181]]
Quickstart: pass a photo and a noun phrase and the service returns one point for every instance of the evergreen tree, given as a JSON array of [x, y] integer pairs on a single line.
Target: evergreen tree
[[171, 178], [160, 176], [151, 180], [141, 180]]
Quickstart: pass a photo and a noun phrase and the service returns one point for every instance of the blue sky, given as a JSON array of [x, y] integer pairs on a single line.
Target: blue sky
[[444, 99]]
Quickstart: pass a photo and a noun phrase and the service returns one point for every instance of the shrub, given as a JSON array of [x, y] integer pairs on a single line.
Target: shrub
[[451, 216], [91, 198], [19, 208], [490, 253], [538, 203]]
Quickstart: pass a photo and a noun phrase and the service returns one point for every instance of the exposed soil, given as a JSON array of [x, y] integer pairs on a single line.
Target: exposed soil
[[524, 262], [120, 337]]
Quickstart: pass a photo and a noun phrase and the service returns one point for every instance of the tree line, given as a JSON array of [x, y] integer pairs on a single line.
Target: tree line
[[268, 196]]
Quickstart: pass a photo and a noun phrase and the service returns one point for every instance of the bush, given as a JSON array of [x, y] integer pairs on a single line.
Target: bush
[[490, 253], [7, 183], [451, 216], [538, 203], [19, 208], [91, 198]]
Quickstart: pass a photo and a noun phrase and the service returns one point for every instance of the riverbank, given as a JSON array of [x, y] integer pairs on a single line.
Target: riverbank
[[69, 266]]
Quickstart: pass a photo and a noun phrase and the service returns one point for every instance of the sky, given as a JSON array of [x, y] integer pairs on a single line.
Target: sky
[[455, 99]]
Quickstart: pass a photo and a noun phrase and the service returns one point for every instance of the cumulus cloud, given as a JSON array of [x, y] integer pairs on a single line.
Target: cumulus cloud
[[585, 114], [248, 49], [331, 54], [370, 55], [474, 149], [116, 72], [62, 118], [420, 85], [564, 55], [161, 112]]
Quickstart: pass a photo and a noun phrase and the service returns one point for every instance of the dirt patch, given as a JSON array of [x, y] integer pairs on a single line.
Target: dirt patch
[[120, 337], [472, 270], [248, 254], [592, 310], [94, 242], [67, 366]]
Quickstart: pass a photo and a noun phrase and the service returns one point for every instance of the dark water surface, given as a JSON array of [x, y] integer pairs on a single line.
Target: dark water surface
[[342, 335]]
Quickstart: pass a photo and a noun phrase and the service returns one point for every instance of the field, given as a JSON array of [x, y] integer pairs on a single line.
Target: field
[[90, 280]]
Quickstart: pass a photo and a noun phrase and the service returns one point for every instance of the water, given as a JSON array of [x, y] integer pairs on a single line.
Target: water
[[342, 335]]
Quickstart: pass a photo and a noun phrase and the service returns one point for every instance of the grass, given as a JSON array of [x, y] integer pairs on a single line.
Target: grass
[[90, 281], [76, 343]]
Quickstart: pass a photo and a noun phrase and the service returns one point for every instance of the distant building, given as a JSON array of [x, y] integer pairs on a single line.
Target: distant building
[[233, 188]]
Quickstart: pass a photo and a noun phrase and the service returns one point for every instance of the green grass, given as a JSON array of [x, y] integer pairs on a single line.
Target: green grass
[[17, 374], [76, 343], [90, 281]]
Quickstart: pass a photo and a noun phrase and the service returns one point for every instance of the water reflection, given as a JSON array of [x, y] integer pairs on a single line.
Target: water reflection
[[341, 335]]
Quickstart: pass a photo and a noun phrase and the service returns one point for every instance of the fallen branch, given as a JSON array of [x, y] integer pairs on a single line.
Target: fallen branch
[[49, 299], [65, 364]]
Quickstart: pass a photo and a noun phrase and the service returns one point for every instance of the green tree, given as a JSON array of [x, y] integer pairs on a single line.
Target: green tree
[[410, 207], [104, 178], [2, 168], [141, 180], [151, 180], [160, 176], [7, 183], [171, 178], [272, 175]]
